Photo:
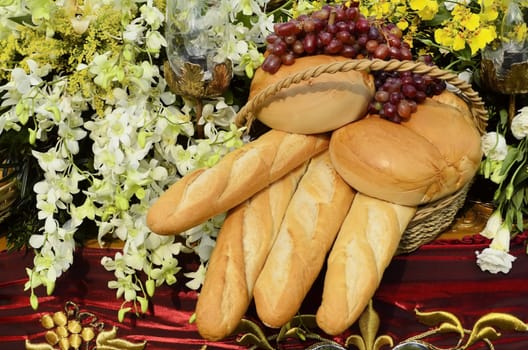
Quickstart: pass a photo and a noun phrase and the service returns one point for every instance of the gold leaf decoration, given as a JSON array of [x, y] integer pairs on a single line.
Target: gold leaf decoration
[[446, 321], [39, 346], [484, 327], [107, 341], [222, 74], [296, 326], [252, 334], [369, 323]]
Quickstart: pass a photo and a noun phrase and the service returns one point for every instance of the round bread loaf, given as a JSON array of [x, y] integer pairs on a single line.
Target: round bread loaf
[[315, 105], [433, 154]]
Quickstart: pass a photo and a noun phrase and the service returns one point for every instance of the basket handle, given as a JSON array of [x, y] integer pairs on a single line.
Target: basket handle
[[246, 115]]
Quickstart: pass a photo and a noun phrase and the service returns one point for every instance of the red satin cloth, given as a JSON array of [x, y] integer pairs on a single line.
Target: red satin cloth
[[439, 276]]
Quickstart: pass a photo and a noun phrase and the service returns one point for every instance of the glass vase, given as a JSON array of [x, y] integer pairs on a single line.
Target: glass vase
[[193, 40]]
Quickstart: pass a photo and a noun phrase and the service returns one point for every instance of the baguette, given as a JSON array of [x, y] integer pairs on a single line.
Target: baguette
[[364, 246], [207, 192], [310, 225], [242, 246]]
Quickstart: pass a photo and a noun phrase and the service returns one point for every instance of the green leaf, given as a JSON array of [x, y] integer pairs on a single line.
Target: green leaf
[[511, 157], [522, 175], [518, 198], [121, 313], [520, 220]]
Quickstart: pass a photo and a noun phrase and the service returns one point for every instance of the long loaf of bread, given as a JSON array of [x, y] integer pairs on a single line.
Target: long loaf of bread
[[242, 246], [207, 192], [311, 222], [364, 246]]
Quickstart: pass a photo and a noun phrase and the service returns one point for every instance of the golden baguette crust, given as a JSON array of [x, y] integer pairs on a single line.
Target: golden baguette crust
[[310, 225], [205, 193], [242, 246], [364, 246], [315, 105], [432, 155]]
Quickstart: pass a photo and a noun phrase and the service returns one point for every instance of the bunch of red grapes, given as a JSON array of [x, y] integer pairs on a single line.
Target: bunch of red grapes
[[342, 30]]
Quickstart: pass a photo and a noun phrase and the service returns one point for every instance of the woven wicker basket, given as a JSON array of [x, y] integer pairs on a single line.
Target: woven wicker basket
[[433, 218]]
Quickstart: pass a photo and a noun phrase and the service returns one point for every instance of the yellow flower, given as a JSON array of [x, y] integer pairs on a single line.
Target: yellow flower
[[402, 24], [426, 9], [488, 10], [471, 22], [459, 42], [443, 37], [481, 39]]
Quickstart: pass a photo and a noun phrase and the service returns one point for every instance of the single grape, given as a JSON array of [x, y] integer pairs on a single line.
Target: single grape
[[393, 41], [345, 37], [323, 14], [340, 13], [342, 26], [348, 51], [272, 38], [271, 63], [334, 46], [394, 52], [420, 96], [381, 96], [288, 58], [331, 28], [325, 38], [352, 13], [308, 25], [404, 109], [408, 90], [278, 47], [395, 97], [310, 43], [373, 33], [381, 52], [389, 110], [362, 25], [287, 28], [371, 45], [298, 47]]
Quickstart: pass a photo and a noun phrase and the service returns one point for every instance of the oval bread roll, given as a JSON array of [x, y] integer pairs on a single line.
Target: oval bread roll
[[433, 154], [316, 105]]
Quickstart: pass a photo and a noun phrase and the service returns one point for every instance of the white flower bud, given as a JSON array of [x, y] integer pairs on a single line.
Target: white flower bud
[[492, 225], [519, 124], [494, 146]]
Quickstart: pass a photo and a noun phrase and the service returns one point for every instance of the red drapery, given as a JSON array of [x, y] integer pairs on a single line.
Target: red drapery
[[439, 276]]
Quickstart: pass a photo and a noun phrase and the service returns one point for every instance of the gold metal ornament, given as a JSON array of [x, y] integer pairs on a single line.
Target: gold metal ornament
[[72, 329], [190, 80]]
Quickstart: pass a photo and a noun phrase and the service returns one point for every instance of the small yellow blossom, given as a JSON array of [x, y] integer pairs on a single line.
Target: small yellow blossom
[[402, 24], [427, 9], [481, 39]]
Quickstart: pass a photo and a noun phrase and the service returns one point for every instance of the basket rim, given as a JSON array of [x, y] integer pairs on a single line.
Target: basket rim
[[247, 114]]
